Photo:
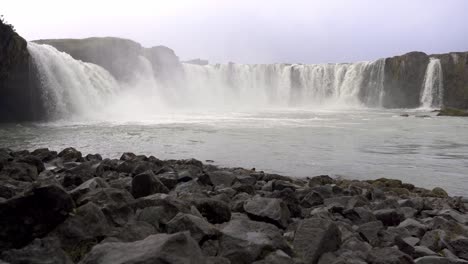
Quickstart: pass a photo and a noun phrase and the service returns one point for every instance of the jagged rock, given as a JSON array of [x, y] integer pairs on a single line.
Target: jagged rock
[[438, 260], [70, 154], [160, 248], [89, 185], [214, 211], [312, 199], [315, 237], [388, 256], [32, 160], [77, 235], [133, 231], [169, 179], [217, 260], [359, 215], [93, 157], [270, 210], [243, 241], [459, 246], [40, 251], [147, 183], [79, 174], [389, 217], [39, 210], [414, 227], [369, 231], [221, 177], [434, 239], [277, 257], [320, 180], [19, 171], [200, 229]]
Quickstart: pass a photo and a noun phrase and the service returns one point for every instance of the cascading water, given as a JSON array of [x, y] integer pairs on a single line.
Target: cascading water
[[71, 87], [433, 87], [288, 85], [75, 88]]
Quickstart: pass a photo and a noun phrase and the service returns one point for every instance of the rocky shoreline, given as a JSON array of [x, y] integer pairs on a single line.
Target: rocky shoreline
[[68, 208]]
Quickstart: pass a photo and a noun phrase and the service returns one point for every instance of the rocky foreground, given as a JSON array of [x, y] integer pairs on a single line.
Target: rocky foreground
[[66, 208]]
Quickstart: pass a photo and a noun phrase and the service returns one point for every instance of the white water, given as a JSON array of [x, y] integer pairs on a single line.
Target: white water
[[71, 87], [283, 85], [433, 88], [75, 88]]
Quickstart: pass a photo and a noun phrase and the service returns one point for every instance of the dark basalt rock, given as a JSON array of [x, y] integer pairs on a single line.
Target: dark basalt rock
[[146, 184], [160, 248], [257, 218], [33, 214]]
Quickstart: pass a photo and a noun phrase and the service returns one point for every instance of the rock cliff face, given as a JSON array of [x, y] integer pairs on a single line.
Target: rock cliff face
[[403, 79], [455, 74], [19, 93]]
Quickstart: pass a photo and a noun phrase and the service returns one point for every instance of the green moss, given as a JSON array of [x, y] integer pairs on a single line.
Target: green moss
[[452, 112]]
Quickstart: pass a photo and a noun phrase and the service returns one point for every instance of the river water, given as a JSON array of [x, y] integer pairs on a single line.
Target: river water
[[351, 143]]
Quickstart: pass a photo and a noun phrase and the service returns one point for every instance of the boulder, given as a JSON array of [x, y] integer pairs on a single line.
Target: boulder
[[270, 210], [70, 154], [214, 211], [222, 177], [40, 251], [89, 185], [199, 228], [388, 256], [459, 246], [19, 171], [438, 260], [132, 231], [160, 248], [39, 210], [244, 241], [389, 217], [147, 183], [370, 232], [77, 235], [314, 237]]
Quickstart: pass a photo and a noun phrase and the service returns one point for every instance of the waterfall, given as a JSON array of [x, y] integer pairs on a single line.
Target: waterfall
[[282, 85], [433, 88], [71, 87], [74, 88]]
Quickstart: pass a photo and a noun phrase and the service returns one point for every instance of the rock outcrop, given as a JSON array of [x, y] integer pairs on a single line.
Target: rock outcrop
[[242, 217], [19, 93]]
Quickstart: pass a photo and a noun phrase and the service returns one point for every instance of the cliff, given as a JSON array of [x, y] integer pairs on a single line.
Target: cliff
[[19, 93]]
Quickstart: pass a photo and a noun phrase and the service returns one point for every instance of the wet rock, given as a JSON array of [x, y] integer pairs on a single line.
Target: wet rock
[[19, 171], [389, 217], [320, 180], [434, 239], [39, 210], [312, 199], [315, 237], [77, 235], [221, 177], [199, 228], [160, 248], [146, 183], [270, 210], [244, 241], [459, 246], [89, 185], [216, 212], [438, 260], [40, 251], [93, 157], [370, 232], [388, 256], [70, 154], [277, 257], [133, 231]]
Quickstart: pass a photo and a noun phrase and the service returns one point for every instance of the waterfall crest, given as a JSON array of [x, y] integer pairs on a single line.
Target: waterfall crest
[[433, 87], [74, 88], [71, 87]]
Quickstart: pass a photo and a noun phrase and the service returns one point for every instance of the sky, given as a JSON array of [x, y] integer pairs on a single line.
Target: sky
[[255, 31]]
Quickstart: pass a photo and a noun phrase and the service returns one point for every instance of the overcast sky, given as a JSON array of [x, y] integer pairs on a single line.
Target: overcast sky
[[255, 31]]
